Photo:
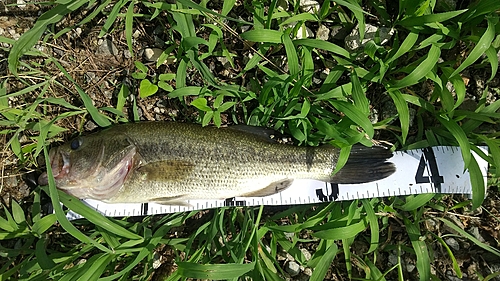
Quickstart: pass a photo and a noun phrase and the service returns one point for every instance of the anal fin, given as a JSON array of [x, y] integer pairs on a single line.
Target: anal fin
[[179, 200], [271, 189]]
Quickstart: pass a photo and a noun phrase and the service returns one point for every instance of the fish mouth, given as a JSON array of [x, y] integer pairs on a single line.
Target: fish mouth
[[60, 165]]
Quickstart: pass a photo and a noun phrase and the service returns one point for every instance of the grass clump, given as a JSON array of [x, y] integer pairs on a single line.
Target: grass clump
[[254, 63]]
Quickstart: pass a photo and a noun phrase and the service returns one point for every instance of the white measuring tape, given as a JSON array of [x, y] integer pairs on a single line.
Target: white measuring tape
[[430, 170]]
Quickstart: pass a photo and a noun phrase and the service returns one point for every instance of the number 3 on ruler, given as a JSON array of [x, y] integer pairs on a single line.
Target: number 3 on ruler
[[429, 157]]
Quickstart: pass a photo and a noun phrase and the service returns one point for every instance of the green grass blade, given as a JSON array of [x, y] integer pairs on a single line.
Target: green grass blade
[[324, 263], [291, 54], [422, 20], [185, 24], [358, 95], [406, 46], [480, 8], [358, 14], [300, 18], [185, 91], [421, 70], [421, 251], [43, 259], [481, 47], [493, 60], [43, 224], [214, 271], [227, 6], [17, 213], [355, 115], [111, 17], [180, 77], [417, 201], [129, 20], [403, 112], [323, 45], [263, 35], [477, 183], [95, 217], [373, 223], [465, 234], [95, 266], [343, 232], [456, 267], [461, 138]]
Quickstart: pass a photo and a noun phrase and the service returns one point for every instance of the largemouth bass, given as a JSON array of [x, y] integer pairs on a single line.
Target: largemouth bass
[[171, 163]]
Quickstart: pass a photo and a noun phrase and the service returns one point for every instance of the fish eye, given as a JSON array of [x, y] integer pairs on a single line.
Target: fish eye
[[75, 144]]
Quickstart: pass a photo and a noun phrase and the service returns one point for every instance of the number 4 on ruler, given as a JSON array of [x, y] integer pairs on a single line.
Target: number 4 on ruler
[[429, 157]]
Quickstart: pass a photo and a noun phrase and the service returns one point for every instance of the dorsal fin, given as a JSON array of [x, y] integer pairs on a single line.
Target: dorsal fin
[[265, 134]]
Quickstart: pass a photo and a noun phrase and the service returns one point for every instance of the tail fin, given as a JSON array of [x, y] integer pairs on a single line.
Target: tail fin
[[365, 164]]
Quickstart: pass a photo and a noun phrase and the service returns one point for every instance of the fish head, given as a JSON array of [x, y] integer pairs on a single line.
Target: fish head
[[93, 166]]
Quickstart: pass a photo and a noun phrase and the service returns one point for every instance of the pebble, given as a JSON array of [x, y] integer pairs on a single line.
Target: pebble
[[89, 126], [323, 32], [474, 231], [304, 33], [353, 42], [89, 76], [127, 54], [306, 254], [292, 268], [307, 271], [152, 54], [224, 61], [106, 47], [156, 260], [431, 223], [452, 243], [309, 6], [21, 4], [410, 267], [393, 259]]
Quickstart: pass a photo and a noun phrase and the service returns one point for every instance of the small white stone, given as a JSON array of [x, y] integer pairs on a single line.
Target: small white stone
[[353, 40], [152, 54], [156, 260], [410, 267], [21, 4], [292, 268], [393, 259], [127, 54], [323, 33], [306, 254], [308, 271], [136, 34], [309, 6], [452, 243]]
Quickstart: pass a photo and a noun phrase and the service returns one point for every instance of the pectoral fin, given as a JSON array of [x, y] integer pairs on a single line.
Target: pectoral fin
[[271, 189], [169, 170]]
